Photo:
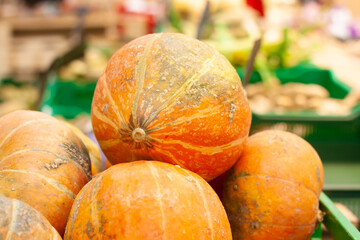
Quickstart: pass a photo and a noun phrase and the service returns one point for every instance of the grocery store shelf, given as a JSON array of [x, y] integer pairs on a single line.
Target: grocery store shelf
[[63, 22]]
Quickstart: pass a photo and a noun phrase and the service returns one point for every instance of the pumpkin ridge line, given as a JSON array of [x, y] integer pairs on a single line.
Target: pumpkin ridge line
[[206, 204], [92, 194], [199, 114], [14, 153], [188, 83], [280, 179], [202, 194], [58, 155], [241, 219], [52, 182], [23, 125], [75, 211], [120, 117], [167, 153], [206, 150], [103, 118], [154, 172], [15, 209], [139, 75]]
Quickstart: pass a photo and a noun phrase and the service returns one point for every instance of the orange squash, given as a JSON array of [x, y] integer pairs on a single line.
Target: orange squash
[[147, 200], [42, 163], [273, 190], [174, 99], [97, 165], [19, 221]]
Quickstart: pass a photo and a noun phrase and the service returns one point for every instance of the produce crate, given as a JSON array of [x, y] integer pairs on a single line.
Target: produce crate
[[336, 138], [67, 98], [336, 223]]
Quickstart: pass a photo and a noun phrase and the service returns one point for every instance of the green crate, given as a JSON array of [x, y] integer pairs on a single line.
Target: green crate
[[334, 137], [317, 233], [339, 227], [67, 98], [337, 224]]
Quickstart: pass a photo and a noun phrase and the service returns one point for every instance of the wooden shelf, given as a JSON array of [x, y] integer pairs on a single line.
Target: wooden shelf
[[65, 22]]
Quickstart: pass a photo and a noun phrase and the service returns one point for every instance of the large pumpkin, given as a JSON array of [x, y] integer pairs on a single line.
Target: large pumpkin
[[19, 221], [171, 98], [273, 190], [147, 200], [42, 163]]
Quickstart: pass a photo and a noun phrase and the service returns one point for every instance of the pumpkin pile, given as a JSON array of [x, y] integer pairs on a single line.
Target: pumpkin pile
[[170, 113]]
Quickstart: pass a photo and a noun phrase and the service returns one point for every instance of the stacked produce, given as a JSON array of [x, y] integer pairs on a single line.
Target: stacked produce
[[170, 113], [298, 97], [43, 163]]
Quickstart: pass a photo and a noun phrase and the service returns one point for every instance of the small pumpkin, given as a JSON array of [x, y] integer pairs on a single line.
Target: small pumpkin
[[147, 200], [273, 190], [19, 221], [171, 98], [42, 163], [97, 165]]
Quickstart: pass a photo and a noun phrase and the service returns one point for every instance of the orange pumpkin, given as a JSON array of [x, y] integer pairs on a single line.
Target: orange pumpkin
[[147, 200], [171, 98], [42, 163], [97, 165], [273, 190], [19, 221]]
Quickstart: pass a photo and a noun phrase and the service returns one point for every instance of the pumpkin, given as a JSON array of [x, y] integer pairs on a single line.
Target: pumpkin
[[42, 163], [147, 200], [171, 98], [273, 191], [19, 221], [94, 152]]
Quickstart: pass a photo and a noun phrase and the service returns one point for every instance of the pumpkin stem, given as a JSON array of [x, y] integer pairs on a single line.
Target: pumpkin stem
[[138, 134]]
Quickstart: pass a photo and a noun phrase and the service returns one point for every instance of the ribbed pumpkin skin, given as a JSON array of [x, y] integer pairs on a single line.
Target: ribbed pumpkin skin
[[147, 200], [273, 190], [19, 221], [174, 99], [94, 152], [42, 163]]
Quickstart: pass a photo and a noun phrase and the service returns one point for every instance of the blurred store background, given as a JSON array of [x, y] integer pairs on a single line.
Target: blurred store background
[[305, 34], [306, 76]]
